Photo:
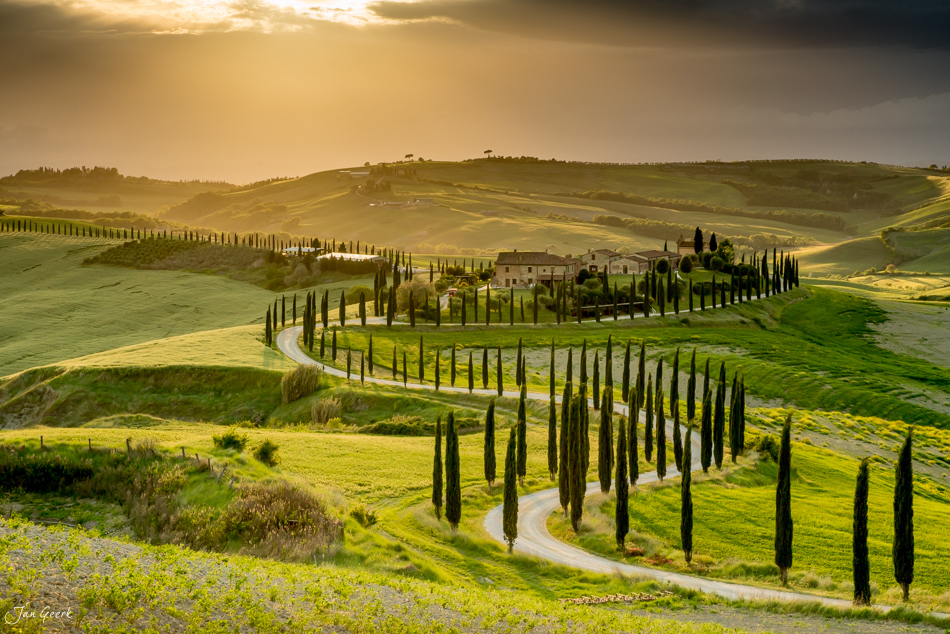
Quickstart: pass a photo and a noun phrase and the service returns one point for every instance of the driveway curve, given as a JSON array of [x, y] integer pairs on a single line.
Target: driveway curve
[[535, 540]]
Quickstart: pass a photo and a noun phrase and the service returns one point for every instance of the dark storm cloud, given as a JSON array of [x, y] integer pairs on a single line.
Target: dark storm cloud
[[719, 23], [39, 17]]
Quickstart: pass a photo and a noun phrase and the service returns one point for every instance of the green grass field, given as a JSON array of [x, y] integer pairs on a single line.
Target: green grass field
[[734, 524]]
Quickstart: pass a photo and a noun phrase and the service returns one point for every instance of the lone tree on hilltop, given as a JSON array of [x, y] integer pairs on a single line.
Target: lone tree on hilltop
[[903, 550], [510, 509], [783, 504]]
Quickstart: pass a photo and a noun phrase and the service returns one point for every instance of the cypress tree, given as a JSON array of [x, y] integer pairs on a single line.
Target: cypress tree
[[569, 371], [522, 434], [660, 435], [605, 449], [395, 364], [521, 302], [422, 367], [575, 466], [903, 548], [452, 367], [734, 433], [518, 362], [677, 439], [412, 310], [348, 362], [500, 376], [475, 305], [363, 309], [267, 330], [551, 376], [691, 390], [333, 347], [742, 415], [621, 510], [464, 309], [283, 311], [705, 434], [625, 380], [471, 373], [859, 539], [633, 450], [325, 309], [686, 498], [323, 343], [783, 504], [706, 379], [438, 372], [453, 478], [510, 508], [596, 380], [489, 450], [563, 474], [342, 309], [648, 429], [584, 430], [642, 375], [485, 367], [552, 438], [405, 369], [719, 416], [293, 310], [437, 469], [584, 365]]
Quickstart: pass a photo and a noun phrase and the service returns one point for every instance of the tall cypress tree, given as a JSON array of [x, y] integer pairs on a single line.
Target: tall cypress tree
[[323, 343], [596, 379], [500, 378], [686, 498], [569, 371], [642, 375], [484, 367], [267, 330], [621, 510], [510, 505], [453, 477], [633, 449], [438, 372], [422, 365], [625, 380], [405, 371], [691, 390], [584, 430], [648, 429], [452, 368], [437, 469], [705, 434], [522, 434], [677, 439], [605, 449], [395, 364], [564, 446], [369, 354], [859, 538], [551, 376], [518, 361], [333, 346], [903, 549], [342, 309], [552, 438], [471, 373], [363, 309], [489, 449], [576, 468], [783, 504], [719, 416], [734, 433], [660, 435], [283, 311], [584, 365]]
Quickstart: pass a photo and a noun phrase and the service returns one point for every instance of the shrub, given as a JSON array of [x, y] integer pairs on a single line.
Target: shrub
[[266, 452], [302, 381], [364, 515], [231, 439], [325, 409], [662, 266], [716, 263], [353, 295], [399, 425], [767, 447], [686, 265]]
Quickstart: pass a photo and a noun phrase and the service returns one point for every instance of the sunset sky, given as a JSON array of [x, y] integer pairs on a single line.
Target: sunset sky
[[251, 89]]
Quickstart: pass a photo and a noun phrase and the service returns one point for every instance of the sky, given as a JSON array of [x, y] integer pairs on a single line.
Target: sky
[[242, 90]]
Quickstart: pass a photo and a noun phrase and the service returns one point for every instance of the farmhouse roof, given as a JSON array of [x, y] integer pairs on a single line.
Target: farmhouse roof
[[654, 254], [536, 258]]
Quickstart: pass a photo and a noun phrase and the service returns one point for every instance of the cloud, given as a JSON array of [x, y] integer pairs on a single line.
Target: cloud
[[706, 23]]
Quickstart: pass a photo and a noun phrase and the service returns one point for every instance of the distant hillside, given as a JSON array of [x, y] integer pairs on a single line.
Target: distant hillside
[[503, 203]]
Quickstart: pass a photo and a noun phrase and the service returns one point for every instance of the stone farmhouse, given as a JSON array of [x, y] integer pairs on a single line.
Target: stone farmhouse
[[524, 269]]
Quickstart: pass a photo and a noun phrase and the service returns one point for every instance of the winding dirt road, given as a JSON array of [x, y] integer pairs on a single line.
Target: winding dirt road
[[534, 539]]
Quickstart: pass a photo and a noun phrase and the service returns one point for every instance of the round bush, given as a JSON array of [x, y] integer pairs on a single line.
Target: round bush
[[662, 266], [686, 265]]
